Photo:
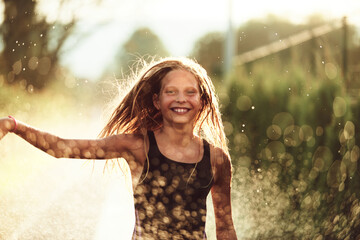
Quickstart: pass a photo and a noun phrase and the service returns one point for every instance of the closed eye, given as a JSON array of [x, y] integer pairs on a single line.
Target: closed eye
[[191, 92], [170, 92]]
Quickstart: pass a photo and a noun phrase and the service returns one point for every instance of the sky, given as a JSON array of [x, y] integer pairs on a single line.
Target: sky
[[178, 23]]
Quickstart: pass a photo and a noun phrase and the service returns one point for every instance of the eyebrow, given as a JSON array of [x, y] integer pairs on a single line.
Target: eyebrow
[[171, 86]]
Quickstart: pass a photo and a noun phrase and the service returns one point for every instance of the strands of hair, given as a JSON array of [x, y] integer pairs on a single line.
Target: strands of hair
[[136, 113]]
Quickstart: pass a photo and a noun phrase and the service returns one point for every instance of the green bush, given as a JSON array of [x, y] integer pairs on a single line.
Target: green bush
[[294, 148]]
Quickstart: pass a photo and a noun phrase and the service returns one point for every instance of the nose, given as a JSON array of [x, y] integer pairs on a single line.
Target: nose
[[180, 98]]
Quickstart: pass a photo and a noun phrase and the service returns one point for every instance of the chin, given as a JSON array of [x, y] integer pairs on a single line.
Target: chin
[[182, 121]]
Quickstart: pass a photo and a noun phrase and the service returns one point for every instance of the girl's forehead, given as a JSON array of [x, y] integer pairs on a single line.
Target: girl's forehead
[[179, 77]]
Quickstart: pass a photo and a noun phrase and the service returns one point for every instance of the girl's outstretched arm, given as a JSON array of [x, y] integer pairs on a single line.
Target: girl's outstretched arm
[[111, 147], [6, 125], [221, 197]]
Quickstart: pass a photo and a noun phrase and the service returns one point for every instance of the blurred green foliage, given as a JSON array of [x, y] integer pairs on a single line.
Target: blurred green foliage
[[142, 44], [294, 144], [209, 49]]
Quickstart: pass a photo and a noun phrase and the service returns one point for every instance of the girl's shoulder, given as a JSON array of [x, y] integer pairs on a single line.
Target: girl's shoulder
[[130, 141], [129, 137], [220, 162], [217, 155]]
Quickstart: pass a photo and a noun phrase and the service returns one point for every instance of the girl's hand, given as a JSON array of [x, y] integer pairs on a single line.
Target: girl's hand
[[6, 125]]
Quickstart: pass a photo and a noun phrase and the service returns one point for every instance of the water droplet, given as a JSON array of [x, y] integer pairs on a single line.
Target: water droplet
[[13, 50], [253, 107], [307, 94], [323, 62], [23, 69], [41, 35], [243, 125], [34, 44], [320, 46], [30, 88], [289, 89]]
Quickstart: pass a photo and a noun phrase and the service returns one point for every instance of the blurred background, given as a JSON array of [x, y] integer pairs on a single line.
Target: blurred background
[[288, 79]]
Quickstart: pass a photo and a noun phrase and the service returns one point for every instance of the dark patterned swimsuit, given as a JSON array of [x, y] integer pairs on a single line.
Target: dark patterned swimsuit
[[170, 199]]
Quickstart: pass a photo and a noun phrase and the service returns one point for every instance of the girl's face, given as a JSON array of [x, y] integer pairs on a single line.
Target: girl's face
[[179, 98]]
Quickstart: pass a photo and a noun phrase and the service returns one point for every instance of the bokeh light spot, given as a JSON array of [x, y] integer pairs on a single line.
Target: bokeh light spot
[[228, 128], [283, 120], [17, 66], [331, 70], [33, 63], [292, 136], [349, 130], [322, 158], [336, 174], [274, 150], [339, 106], [273, 132], [319, 131], [243, 103], [306, 133]]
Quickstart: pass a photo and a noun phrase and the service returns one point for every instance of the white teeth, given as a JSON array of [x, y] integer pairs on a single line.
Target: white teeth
[[180, 110]]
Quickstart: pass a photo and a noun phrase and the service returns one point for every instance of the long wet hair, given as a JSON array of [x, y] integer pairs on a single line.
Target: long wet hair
[[136, 113]]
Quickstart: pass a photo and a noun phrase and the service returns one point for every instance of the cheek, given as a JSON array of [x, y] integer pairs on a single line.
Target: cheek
[[197, 101], [200, 105], [164, 102]]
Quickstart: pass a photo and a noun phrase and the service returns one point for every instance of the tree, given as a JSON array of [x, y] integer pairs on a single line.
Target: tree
[[31, 44], [258, 32], [209, 52], [142, 43]]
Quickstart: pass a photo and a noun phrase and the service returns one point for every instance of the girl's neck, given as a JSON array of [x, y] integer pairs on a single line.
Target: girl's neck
[[178, 136]]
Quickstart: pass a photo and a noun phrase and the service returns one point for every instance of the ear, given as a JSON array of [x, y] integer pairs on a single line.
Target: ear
[[156, 101]]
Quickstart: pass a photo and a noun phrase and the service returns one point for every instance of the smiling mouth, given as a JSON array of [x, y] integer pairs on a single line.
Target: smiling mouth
[[180, 110]]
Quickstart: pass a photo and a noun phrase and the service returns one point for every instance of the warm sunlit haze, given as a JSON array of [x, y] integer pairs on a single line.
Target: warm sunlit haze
[[49, 198], [278, 117], [177, 23]]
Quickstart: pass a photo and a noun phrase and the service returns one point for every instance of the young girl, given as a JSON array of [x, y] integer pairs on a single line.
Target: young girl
[[169, 130]]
